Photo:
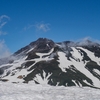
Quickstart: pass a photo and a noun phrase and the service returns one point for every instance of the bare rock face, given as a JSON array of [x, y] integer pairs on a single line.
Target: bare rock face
[[43, 45], [40, 45]]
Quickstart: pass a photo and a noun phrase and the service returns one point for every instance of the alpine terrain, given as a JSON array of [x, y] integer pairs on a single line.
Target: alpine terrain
[[58, 64]]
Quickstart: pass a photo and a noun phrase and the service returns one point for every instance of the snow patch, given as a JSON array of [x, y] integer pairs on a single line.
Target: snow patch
[[41, 80], [97, 71], [44, 54], [80, 66], [91, 55], [63, 61]]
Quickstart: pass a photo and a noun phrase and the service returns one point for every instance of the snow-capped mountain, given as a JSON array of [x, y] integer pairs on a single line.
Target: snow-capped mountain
[[46, 62]]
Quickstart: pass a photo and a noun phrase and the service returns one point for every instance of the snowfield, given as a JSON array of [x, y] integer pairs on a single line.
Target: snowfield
[[31, 91]]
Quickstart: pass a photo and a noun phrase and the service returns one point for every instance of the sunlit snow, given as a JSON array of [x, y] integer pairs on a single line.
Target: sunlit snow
[[91, 55], [79, 65], [9, 91]]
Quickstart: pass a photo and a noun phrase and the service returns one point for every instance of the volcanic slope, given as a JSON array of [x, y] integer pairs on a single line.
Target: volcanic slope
[[46, 62]]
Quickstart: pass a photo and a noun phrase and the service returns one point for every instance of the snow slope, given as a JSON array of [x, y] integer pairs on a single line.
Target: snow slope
[[31, 91]]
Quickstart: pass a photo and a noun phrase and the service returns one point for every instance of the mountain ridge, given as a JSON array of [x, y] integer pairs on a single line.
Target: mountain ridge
[[64, 63]]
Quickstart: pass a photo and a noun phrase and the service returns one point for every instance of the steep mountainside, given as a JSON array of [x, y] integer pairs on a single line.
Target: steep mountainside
[[46, 62]]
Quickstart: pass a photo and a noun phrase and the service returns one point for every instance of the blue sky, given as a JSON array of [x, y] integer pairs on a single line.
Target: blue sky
[[24, 21]]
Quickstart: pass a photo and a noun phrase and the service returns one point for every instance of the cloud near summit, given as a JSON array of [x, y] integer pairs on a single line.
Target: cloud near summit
[[42, 26], [4, 51]]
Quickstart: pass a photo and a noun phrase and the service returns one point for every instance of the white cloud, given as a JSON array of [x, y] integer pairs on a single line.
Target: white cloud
[[4, 17], [4, 51], [87, 41], [43, 26], [3, 21], [2, 24], [38, 26], [83, 39]]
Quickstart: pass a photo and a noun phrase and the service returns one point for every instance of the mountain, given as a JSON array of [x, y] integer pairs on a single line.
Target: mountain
[[46, 62]]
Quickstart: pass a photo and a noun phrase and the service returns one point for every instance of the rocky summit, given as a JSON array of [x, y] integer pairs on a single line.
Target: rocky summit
[[59, 64]]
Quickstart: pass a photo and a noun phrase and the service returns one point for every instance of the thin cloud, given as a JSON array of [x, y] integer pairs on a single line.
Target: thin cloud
[[42, 27], [84, 41], [3, 21], [87, 41], [4, 16], [28, 27], [4, 51], [2, 24], [38, 26]]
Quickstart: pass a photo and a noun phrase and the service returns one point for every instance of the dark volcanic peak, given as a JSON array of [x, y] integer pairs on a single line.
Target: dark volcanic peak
[[43, 44], [40, 45], [40, 41]]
